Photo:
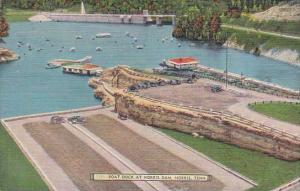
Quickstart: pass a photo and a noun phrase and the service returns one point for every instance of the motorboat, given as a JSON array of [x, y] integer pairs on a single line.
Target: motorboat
[[139, 47], [72, 49], [103, 35], [98, 49]]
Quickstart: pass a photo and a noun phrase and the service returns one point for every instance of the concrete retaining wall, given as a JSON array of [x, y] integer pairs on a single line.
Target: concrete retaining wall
[[98, 18]]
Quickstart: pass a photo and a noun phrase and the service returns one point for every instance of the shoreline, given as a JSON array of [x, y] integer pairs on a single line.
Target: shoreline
[[7, 55], [270, 54]]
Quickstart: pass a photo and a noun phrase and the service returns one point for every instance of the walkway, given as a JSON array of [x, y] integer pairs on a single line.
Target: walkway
[[241, 108], [259, 31]]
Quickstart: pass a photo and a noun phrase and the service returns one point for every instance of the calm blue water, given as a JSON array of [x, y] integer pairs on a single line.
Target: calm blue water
[[26, 87]]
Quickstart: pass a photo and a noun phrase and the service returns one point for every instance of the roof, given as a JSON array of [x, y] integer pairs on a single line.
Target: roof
[[82, 66], [183, 60], [89, 66]]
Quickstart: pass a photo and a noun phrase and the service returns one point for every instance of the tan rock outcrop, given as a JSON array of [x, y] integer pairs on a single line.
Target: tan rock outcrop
[[214, 125], [7, 55]]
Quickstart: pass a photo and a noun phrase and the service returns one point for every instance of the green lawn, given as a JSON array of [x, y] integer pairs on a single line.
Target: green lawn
[[267, 171], [251, 40], [16, 172], [287, 27], [282, 111], [15, 15]]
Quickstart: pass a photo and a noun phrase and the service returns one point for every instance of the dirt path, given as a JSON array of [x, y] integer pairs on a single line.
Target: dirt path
[[260, 31]]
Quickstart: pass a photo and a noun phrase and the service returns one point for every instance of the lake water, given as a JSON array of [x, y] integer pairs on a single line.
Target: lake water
[[26, 87]]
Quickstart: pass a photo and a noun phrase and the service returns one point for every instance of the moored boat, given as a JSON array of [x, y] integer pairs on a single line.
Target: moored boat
[[103, 35]]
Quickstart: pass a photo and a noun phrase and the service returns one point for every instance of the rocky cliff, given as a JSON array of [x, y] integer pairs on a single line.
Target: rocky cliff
[[285, 55], [215, 126], [119, 77]]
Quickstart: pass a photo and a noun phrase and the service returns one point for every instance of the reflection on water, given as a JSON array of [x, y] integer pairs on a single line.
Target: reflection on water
[[26, 87]]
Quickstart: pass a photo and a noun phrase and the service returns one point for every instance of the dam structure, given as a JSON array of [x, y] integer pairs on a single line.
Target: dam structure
[[144, 18]]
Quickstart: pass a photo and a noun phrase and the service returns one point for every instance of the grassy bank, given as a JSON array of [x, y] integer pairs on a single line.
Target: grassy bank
[[282, 111], [16, 172], [267, 171], [15, 15], [287, 27], [253, 40]]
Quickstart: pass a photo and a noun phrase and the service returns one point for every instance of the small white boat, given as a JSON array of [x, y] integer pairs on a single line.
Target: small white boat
[[98, 49], [139, 47], [85, 60], [103, 35], [127, 34], [163, 40], [135, 39], [73, 49], [179, 45], [78, 37]]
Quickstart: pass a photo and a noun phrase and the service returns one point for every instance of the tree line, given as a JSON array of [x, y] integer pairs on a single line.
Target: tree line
[[3, 24], [103, 6], [201, 20]]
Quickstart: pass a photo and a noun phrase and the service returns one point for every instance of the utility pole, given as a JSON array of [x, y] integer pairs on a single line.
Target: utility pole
[[226, 64]]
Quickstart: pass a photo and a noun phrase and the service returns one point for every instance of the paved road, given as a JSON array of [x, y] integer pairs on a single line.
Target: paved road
[[259, 31]]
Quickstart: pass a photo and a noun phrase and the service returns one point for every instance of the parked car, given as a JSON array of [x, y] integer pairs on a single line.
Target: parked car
[[77, 119], [123, 116], [57, 119]]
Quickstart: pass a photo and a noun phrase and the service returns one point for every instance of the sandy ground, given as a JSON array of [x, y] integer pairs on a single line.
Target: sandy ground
[[233, 99], [146, 154], [66, 154], [198, 94], [39, 18], [76, 158]]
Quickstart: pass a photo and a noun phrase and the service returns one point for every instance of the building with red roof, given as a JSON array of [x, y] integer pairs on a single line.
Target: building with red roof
[[182, 63]]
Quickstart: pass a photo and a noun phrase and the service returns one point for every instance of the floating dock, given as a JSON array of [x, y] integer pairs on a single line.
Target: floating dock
[[83, 69]]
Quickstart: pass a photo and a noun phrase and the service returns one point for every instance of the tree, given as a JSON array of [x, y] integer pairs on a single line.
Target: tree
[[3, 24]]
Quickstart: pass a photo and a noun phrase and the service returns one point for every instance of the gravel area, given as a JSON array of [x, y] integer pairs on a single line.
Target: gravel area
[[198, 94], [146, 154], [76, 158]]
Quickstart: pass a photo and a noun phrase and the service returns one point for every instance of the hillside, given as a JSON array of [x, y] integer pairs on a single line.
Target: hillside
[[282, 12]]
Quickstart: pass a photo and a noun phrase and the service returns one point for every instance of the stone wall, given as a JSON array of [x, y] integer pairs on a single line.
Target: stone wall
[[217, 126]]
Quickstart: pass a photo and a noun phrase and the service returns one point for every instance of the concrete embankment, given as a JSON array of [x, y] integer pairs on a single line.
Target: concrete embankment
[[103, 18]]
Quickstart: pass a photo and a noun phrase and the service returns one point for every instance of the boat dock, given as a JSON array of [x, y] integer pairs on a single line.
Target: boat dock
[[83, 69]]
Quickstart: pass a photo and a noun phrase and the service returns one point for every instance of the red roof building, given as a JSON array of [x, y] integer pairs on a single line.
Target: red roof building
[[182, 63]]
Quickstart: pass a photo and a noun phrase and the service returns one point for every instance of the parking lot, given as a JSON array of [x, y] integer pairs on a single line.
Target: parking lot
[[66, 148]]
